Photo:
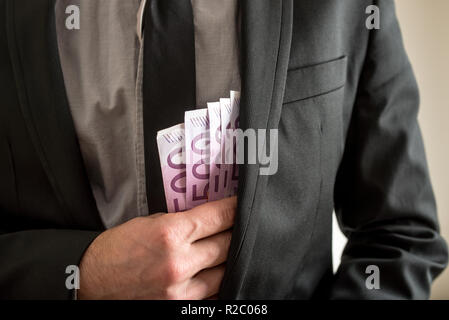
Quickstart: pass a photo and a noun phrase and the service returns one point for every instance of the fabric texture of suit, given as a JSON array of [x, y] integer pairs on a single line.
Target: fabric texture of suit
[[345, 102]]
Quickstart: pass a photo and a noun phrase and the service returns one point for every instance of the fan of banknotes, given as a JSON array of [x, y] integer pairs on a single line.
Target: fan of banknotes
[[198, 157]]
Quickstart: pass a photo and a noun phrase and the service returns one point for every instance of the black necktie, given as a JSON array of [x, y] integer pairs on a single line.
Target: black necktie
[[169, 81]]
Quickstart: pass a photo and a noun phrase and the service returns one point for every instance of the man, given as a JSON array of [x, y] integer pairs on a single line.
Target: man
[[80, 179]]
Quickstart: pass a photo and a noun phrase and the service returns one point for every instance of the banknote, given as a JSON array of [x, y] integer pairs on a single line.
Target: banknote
[[216, 190], [235, 118], [197, 157], [226, 149], [171, 145]]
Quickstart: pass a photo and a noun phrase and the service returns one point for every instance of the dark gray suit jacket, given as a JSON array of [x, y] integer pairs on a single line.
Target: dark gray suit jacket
[[345, 102]]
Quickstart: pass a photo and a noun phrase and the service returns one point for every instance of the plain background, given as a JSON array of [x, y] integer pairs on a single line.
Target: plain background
[[425, 28]]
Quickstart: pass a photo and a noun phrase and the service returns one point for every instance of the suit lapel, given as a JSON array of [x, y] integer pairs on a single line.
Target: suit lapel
[[266, 39], [44, 105]]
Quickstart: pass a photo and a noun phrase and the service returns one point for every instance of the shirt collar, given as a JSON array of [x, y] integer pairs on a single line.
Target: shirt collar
[[140, 19]]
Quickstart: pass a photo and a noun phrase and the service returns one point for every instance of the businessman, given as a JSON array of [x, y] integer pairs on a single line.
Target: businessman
[[81, 102]]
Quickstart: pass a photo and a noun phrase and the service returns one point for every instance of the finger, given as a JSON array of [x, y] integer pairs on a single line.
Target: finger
[[209, 219], [210, 252], [206, 283]]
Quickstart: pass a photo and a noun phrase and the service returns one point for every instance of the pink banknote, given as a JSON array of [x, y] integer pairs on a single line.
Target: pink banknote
[[171, 145], [197, 157], [216, 190], [226, 149], [235, 117]]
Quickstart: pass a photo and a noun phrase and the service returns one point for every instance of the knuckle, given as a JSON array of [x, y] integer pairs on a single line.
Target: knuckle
[[185, 226], [174, 271], [191, 227], [168, 236]]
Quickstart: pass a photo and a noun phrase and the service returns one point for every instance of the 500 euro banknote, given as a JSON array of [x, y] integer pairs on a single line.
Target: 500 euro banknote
[[171, 145], [216, 177], [197, 157], [234, 124], [226, 149]]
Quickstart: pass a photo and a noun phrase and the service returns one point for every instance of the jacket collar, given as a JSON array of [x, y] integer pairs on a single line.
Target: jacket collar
[[266, 39]]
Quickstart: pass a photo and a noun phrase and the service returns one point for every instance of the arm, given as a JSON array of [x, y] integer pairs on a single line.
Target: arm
[[32, 262], [383, 195], [163, 256]]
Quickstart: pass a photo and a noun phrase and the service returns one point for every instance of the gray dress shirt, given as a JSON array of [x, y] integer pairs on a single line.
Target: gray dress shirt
[[102, 68]]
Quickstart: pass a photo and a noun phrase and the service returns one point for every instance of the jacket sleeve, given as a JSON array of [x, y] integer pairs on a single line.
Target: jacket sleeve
[[383, 196], [33, 263]]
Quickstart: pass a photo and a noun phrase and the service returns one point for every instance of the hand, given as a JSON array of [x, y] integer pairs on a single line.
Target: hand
[[163, 256]]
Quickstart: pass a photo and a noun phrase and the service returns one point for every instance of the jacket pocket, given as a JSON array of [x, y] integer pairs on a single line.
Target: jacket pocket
[[315, 80]]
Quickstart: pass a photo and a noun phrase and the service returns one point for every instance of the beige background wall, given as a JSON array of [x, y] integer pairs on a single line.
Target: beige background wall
[[425, 28]]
